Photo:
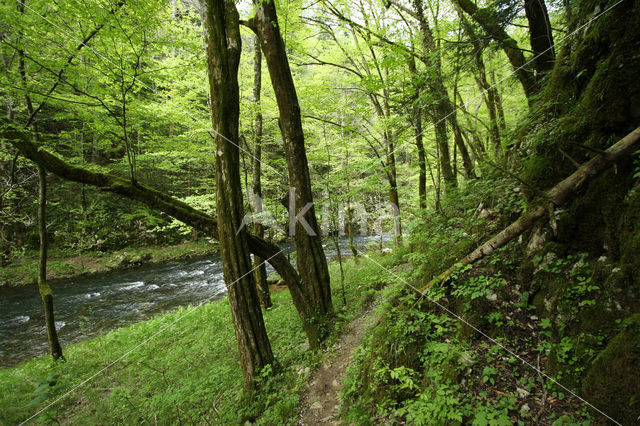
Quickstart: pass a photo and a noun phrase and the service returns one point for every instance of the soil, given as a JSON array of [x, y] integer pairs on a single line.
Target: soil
[[320, 404]]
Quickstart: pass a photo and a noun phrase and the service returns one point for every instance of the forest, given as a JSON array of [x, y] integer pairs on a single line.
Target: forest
[[320, 212]]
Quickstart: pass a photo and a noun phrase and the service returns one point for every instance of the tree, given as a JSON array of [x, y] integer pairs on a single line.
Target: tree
[[45, 289], [258, 227], [444, 110], [223, 45], [490, 23], [375, 79], [490, 94], [312, 263], [540, 36]]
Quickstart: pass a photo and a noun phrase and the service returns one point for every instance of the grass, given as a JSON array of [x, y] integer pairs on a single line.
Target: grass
[[66, 265], [179, 367]]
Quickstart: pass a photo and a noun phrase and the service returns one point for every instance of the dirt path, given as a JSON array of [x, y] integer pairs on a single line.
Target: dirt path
[[320, 403]]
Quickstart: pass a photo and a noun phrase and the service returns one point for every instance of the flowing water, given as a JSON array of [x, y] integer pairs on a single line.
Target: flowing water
[[91, 306]]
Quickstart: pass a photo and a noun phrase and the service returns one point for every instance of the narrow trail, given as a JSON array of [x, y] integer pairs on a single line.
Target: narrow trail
[[320, 403]]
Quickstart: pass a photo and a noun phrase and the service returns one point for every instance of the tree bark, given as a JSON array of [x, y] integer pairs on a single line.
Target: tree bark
[[223, 43], [502, 122], [311, 260], [490, 92], [417, 117], [422, 174], [258, 229], [43, 286], [352, 246], [467, 161], [489, 22], [540, 36], [556, 196]]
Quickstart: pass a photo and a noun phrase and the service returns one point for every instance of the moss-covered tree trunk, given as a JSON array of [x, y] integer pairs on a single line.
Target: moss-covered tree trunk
[[540, 36], [223, 43], [258, 229], [43, 286], [311, 260]]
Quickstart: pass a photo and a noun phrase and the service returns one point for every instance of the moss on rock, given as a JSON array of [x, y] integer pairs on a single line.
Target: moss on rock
[[612, 383]]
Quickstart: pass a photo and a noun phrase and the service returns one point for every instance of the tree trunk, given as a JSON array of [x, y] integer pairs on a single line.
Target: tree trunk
[[502, 122], [43, 286], [352, 246], [440, 128], [311, 260], [258, 228], [489, 22], [490, 92], [422, 174], [417, 114], [443, 108], [222, 40], [540, 36], [467, 161], [394, 199]]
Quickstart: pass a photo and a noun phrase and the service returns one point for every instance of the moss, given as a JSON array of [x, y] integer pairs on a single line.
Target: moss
[[463, 248], [536, 170], [629, 233], [613, 383], [592, 96]]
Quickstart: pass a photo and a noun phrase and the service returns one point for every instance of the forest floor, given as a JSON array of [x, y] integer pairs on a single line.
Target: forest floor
[[320, 402], [62, 266]]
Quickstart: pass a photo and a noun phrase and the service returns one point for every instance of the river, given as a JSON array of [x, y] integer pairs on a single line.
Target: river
[[95, 305]]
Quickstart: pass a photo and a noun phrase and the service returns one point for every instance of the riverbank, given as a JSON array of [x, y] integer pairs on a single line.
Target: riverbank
[[181, 366], [59, 268]]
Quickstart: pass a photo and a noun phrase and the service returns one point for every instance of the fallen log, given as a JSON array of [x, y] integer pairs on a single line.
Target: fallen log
[[558, 195]]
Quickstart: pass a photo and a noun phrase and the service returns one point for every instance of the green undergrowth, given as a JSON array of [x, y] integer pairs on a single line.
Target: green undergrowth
[[181, 367], [470, 350], [67, 264]]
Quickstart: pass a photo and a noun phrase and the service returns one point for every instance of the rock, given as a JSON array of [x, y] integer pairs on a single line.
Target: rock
[[613, 381], [524, 409], [492, 297], [465, 359], [334, 383], [522, 393], [537, 240], [484, 213], [316, 406]]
